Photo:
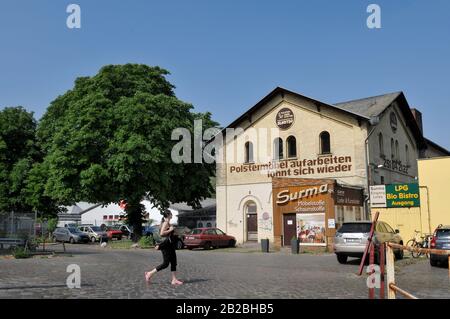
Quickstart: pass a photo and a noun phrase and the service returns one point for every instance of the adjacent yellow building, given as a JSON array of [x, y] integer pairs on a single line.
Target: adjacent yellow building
[[434, 180]]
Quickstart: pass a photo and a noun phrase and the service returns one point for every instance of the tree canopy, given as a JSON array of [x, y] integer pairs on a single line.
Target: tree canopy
[[109, 139], [19, 156]]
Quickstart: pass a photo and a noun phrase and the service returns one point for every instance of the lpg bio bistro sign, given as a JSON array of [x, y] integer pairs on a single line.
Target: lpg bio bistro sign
[[395, 195]]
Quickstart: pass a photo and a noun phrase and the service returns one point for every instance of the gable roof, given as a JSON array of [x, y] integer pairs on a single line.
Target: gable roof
[[282, 91], [363, 109], [183, 207], [370, 106], [375, 105], [437, 146]]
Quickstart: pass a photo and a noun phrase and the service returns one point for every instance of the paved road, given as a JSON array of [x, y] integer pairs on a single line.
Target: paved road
[[107, 273]]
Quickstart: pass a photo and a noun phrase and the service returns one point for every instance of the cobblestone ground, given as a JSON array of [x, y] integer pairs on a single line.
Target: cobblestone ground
[[107, 273]]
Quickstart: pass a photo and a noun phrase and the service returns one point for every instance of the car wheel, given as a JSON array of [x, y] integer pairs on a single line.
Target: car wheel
[[190, 248], [180, 244], [71, 240], [207, 246], [93, 239], [119, 238], [342, 259], [54, 239], [433, 262], [399, 254], [232, 243]]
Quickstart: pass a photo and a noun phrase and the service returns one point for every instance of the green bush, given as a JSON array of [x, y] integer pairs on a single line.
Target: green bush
[[146, 242], [20, 253]]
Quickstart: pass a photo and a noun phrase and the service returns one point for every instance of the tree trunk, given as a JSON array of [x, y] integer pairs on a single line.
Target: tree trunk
[[134, 211]]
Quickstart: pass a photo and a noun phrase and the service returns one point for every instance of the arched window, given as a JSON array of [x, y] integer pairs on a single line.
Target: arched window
[[325, 147], [249, 152], [407, 154], [291, 146], [380, 144], [392, 149], [397, 151], [277, 148]]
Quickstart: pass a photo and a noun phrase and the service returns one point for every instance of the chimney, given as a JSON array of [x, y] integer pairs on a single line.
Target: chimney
[[418, 116]]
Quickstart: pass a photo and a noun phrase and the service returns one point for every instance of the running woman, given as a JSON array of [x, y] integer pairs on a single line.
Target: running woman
[[167, 247]]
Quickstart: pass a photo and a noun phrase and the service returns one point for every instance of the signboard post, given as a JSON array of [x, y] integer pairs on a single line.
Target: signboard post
[[378, 196]]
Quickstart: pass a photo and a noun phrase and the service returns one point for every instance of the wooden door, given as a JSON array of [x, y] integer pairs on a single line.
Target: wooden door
[[290, 228], [252, 227]]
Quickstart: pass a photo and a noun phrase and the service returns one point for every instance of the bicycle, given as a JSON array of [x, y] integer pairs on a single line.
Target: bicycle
[[422, 243]]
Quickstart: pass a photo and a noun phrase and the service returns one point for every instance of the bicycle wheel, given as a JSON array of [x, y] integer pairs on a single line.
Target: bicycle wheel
[[427, 245], [412, 244], [417, 254]]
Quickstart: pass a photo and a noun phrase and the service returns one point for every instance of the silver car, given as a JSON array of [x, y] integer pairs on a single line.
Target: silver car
[[69, 234], [351, 239], [95, 233]]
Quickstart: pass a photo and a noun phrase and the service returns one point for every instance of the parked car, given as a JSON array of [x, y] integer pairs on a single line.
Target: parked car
[[351, 239], [70, 234], [126, 230], [153, 231], [150, 230], [440, 240], [208, 238], [95, 233], [180, 235], [113, 233]]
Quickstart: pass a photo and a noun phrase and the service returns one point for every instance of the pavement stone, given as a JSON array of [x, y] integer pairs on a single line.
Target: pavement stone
[[109, 273]]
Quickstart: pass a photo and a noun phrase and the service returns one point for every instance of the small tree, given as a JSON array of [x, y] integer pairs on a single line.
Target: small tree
[[51, 226]]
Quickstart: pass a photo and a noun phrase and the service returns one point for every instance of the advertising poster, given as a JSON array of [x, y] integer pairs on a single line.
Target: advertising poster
[[311, 229]]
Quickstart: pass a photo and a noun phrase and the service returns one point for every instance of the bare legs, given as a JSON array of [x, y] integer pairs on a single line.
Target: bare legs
[[175, 281], [149, 275]]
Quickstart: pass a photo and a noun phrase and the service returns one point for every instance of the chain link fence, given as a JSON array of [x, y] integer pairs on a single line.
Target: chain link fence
[[16, 229]]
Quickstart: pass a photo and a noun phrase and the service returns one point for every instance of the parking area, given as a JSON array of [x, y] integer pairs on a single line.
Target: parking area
[[110, 273]]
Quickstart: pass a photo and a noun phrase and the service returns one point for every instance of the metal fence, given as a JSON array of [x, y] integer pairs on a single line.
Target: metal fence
[[17, 225]]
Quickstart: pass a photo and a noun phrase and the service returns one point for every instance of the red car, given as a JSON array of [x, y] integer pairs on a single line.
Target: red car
[[208, 238], [114, 233]]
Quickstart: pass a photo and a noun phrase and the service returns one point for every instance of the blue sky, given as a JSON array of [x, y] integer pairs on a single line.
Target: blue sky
[[226, 55]]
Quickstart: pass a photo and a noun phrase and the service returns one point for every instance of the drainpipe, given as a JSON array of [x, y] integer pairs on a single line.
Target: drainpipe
[[428, 209], [373, 121]]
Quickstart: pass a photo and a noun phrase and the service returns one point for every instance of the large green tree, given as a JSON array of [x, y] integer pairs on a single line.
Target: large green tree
[[109, 139], [17, 154], [20, 155]]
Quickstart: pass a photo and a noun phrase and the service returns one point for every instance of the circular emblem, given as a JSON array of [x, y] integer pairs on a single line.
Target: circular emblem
[[265, 216], [285, 118], [393, 119]]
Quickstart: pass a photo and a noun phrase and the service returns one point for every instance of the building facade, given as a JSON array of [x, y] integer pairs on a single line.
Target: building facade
[[294, 144]]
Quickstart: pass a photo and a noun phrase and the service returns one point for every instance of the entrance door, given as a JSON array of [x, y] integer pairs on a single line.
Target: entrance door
[[252, 227], [252, 221], [290, 228]]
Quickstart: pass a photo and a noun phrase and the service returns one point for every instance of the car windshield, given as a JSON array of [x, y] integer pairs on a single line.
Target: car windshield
[[355, 228], [96, 228], [196, 231], [443, 233], [74, 230]]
